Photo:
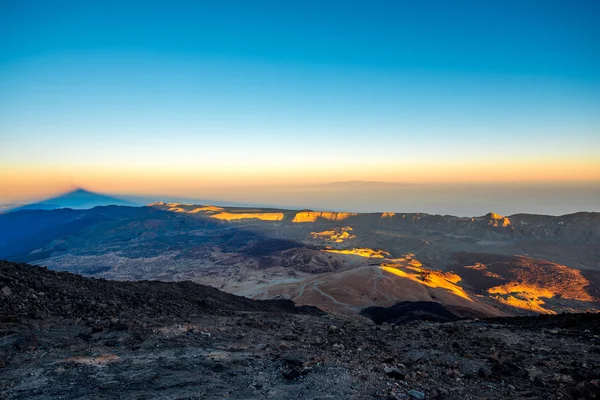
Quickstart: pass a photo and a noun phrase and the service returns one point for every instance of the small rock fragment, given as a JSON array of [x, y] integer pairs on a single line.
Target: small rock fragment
[[415, 394], [394, 373], [293, 360], [291, 373]]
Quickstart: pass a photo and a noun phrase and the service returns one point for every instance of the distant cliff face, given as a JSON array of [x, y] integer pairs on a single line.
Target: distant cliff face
[[581, 227], [261, 216], [312, 216], [572, 228], [337, 235]]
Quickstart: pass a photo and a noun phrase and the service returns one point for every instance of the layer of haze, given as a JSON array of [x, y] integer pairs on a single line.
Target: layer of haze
[[257, 101]]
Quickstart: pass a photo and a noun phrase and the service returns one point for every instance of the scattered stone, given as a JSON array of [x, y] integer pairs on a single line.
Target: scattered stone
[[562, 378], [6, 291], [398, 396], [293, 360], [119, 326], [27, 342], [244, 355], [415, 394], [394, 373], [86, 337], [291, 373]]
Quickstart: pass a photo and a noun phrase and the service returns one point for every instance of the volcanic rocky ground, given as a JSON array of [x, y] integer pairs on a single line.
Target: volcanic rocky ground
[[68, 337]]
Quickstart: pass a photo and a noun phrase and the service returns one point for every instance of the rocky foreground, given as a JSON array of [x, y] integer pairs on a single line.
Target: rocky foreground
[[64, 336]]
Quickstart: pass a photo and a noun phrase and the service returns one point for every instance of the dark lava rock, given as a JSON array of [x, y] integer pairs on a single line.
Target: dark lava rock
[[515, 358], [119, 326], [583, 321], [26, 342], [394, 373], [407, 311], [73, 296], [293, 361], [415, 394], [291, 373], [86, 337]]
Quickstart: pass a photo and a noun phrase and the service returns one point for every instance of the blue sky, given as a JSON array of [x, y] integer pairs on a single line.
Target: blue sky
[[303, 91]]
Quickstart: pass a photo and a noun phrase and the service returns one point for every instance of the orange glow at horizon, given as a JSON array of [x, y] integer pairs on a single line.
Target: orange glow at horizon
[[27, 181]]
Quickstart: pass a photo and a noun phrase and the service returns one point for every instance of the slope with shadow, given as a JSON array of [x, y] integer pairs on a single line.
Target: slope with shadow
[[31, 291], [30, 235], [136, 243]]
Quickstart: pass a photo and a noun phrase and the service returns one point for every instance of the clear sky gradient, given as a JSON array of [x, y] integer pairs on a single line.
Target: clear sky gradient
[[177, 97]]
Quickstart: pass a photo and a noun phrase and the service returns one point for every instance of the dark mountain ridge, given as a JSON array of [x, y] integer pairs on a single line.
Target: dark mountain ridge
[[580, 227], [29, 291]]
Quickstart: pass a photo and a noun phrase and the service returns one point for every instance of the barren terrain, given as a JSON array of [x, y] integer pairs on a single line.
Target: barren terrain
[[483, 266], [186, 341]]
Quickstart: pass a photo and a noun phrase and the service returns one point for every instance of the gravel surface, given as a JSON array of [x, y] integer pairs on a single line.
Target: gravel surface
[[142, 340]]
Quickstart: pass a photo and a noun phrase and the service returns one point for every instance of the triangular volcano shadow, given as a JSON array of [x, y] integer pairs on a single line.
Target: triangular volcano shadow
[[76, 199]]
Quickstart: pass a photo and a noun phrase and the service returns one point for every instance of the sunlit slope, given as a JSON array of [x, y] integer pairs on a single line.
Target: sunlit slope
[[361, 252], [514, 286], [383, 285], [337, 235], [527, 283]]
